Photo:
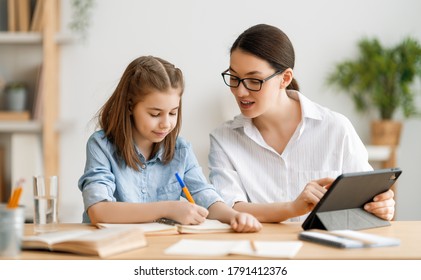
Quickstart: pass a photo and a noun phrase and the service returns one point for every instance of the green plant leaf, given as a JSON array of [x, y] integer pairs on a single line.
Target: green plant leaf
[[381, 77]]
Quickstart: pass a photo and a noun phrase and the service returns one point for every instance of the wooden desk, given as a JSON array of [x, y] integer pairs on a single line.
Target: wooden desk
[[409, 232]]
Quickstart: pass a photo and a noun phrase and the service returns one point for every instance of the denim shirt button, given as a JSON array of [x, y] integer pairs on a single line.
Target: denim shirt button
[[143, 190], [143, 166]]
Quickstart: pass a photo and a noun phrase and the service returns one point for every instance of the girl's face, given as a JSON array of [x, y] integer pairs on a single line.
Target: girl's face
[[155, 117], [254, 103]]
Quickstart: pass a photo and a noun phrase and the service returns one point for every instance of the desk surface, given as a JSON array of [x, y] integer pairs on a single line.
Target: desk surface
[[409, 232]]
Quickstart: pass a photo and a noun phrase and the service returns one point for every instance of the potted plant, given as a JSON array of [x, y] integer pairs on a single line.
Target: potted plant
[[381, 78], [16, 95], [81, 16]]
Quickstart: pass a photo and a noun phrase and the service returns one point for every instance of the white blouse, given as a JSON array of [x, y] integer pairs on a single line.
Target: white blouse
[[244, 168]]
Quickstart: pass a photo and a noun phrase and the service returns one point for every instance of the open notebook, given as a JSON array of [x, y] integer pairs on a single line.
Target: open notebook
[[209, 226]]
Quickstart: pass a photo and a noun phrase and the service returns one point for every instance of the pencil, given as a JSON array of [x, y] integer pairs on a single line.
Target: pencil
[[253, 246], [14, 198], [185, 189]]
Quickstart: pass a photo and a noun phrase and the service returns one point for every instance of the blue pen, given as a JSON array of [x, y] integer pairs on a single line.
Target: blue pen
[[184, 188]]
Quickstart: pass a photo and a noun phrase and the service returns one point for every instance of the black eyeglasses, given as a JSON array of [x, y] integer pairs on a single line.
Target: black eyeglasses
[[249, 83]]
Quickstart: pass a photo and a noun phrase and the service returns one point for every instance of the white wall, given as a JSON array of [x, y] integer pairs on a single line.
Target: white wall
[[196, 36]]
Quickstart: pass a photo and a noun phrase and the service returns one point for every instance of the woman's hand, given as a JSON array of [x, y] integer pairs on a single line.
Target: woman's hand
[[244, 222], [310, 196], [383, 205]]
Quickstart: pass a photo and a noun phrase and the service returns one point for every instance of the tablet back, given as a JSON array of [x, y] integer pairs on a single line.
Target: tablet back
[[349, 192]]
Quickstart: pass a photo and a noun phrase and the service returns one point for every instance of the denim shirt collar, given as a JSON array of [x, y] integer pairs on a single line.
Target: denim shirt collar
[[156, 157]]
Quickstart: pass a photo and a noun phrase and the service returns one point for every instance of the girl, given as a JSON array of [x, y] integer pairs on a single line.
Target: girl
[[131, 163], [268, 161]]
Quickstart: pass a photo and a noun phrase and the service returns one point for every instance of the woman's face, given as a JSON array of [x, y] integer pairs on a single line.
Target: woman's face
[[155, 117], [254, 103]]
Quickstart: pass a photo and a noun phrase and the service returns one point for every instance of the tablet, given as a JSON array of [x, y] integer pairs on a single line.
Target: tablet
[[341, 207]]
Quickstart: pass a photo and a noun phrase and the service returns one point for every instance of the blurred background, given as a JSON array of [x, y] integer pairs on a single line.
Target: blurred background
[[196, 36]]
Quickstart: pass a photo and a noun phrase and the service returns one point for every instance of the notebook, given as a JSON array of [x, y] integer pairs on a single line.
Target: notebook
[[218, 248], [208, 226], [347, 239]]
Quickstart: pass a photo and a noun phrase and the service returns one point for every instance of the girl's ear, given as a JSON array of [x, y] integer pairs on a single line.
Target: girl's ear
[[130, 107], [287, 76]]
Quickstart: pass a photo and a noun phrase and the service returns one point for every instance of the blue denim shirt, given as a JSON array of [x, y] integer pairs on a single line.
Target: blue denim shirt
[[105, 179]]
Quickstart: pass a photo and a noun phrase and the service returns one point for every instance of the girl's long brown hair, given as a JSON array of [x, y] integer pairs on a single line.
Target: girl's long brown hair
[[142, 75]]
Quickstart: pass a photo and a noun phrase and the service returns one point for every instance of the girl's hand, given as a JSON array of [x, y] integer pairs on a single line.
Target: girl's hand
[[187, 213], [383, 205], [310, 196], [243, 222]]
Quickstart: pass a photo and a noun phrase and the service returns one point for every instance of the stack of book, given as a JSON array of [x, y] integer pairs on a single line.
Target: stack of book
[[24, 15], [102, 243]]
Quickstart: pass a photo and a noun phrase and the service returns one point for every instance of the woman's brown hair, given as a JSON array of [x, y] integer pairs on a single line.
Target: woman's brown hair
[[142, 76], [271, 44]]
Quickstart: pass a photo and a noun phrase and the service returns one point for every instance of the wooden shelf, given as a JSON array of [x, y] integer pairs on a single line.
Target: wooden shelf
[[378, 152], [24, 138], [20, 38], [386, 155], [14, 116], [31, 38], [20, 126]]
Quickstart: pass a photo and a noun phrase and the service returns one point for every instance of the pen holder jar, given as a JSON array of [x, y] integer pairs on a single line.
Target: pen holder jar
[[11, 231]]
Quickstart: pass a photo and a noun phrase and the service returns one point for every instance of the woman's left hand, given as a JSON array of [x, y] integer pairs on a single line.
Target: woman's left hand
[[243, 222], [383, 205]]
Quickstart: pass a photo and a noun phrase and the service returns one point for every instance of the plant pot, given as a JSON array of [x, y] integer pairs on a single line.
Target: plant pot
[[16, 99], [386, 132]]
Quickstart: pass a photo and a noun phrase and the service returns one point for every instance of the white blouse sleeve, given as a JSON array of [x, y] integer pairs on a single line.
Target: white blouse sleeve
[[222, 174], [355, 153]]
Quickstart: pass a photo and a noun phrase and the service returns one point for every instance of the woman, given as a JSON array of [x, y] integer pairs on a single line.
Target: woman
[[277, 159]]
